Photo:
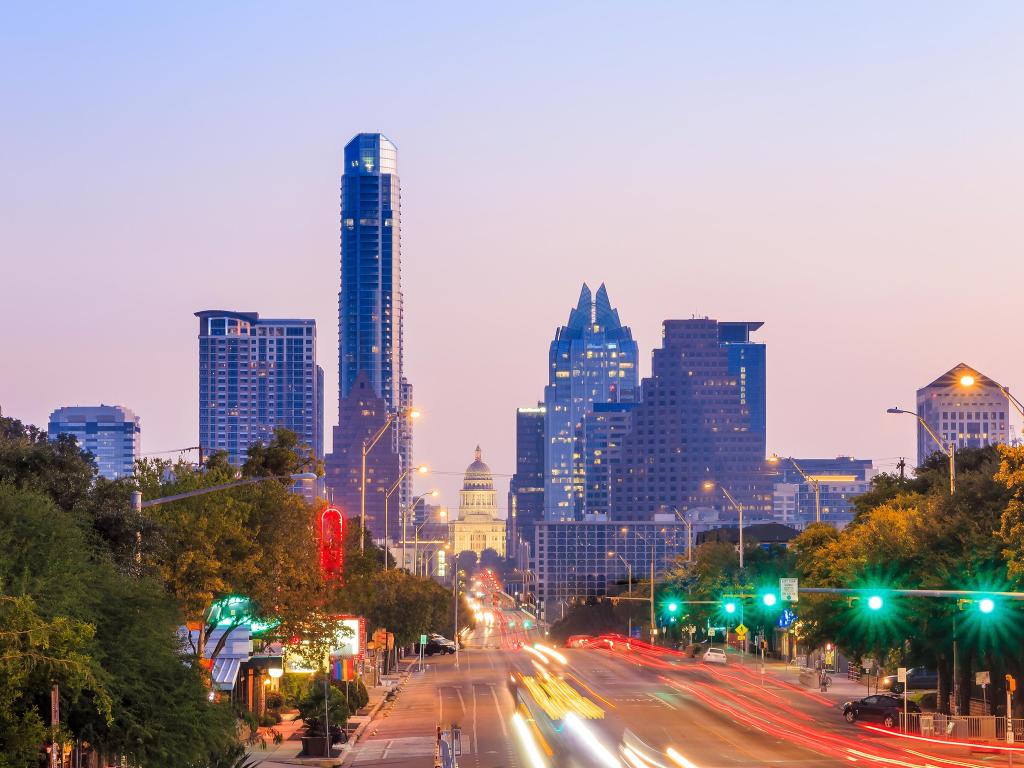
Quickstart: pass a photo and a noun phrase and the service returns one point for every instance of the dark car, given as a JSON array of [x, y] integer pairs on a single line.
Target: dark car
[[882, 708], [436, 644], [918, 679]]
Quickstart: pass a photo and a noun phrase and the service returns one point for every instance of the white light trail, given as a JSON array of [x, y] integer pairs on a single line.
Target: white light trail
[[589, 738], [529, 744]]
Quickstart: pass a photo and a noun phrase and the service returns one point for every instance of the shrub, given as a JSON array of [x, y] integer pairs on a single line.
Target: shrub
[[275, 700], [311, 708]]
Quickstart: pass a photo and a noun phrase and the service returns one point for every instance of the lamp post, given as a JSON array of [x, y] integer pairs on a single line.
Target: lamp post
[[950, 448], [426, 563], [814, 482], [416, 546], [368, 445], [650, 544], [629, 578], [689, 533], [422, 469], [709, 485], [405, 522]]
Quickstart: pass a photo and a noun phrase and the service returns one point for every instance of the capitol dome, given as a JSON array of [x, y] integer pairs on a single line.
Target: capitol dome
[[478, 475]]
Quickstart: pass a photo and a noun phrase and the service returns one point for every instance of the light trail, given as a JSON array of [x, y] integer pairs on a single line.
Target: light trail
[[679, 759], [529, 745], [590, 740], [549, 651], [943, 742]]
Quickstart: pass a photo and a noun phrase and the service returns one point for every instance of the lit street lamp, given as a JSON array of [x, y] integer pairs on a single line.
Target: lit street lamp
[[710, 485], [422, 469], [967, 381], [368, 445], [815, 482], [950, 448], [689, 533]]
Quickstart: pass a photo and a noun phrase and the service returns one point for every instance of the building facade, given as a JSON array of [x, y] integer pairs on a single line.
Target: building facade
[[255, 375], [839, 481], [965, 407], [592, 359], [576, 560], [694, 425], [363, 414], [598, 439], [111, 433], [526, 488], [478, 527], [370, 310]]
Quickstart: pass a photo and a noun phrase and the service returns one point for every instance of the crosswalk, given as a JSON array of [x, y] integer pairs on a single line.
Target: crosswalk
[[379, 750]]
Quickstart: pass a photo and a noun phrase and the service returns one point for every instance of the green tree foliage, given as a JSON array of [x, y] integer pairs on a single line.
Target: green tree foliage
[[403, 604], [312, 706]]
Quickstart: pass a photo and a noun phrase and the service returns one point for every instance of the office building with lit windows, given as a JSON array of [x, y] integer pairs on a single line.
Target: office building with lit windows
[[370, 309], [700, 420], [598, 439], [255, 375], [592, 359], [526, 488], [111, 433], [839, 480], [962, 406]]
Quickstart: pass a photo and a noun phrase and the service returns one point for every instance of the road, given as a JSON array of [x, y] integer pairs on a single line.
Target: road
[[646, 708]]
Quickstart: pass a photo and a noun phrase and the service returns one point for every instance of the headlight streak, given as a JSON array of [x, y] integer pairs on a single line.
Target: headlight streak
[[679, 759], [535, 652], [526, 739], [634, 759], [548, 651], [587, 736]]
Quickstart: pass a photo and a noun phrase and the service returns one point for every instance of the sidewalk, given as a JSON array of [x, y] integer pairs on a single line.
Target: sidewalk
[[287, 752], [842, 688]]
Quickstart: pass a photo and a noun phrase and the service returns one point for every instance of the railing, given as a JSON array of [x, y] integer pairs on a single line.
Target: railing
[[853, 672], [959, 727]]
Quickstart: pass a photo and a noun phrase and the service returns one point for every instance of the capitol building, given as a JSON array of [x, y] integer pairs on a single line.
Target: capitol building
[[478, 527]]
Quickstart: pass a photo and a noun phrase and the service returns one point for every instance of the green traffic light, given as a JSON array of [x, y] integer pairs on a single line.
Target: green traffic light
[[986, 605], [730, 607], [769, 599], [673, 607], [875, 603]]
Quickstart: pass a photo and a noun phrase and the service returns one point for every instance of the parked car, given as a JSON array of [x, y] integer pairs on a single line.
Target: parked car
[[883, 708], [918, 679], [714, 656], [436, 644]]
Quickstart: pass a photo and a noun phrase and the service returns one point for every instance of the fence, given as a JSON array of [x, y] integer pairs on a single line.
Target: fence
[[959, 727]]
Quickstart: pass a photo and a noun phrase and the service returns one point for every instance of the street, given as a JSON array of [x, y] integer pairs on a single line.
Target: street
[[656, 709]]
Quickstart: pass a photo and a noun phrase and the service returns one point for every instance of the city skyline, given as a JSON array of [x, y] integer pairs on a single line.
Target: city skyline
[[734, 231]]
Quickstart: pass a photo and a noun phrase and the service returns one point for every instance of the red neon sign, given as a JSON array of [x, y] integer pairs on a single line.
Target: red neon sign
[[332, 555]]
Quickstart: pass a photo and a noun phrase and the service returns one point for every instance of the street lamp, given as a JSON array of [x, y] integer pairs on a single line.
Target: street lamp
[[421, 469], [968, 380], [624, 530], [441, 515], [629, 569], [950, 448], [689, 533], [815, 482], [368, 445], [709, 485]]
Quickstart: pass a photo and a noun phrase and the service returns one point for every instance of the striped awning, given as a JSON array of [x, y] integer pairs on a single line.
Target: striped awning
[[225, 672]]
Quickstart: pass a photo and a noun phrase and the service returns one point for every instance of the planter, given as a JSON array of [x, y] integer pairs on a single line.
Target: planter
[[314, 746]]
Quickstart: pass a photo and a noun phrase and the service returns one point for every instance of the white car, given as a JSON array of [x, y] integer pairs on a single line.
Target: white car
[[714, 656]]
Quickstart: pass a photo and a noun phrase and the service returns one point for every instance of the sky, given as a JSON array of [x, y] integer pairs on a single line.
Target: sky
[[849, 174]]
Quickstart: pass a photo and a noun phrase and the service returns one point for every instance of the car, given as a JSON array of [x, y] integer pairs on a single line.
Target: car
[[436, 644], [918, 679], [883, 708], [714, 656], [578, 641]]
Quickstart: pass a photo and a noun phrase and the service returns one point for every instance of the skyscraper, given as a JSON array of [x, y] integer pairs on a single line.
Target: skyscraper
[[526, 489], [255, 375], [694, 424], [111, 433], [370, 298], [592, 359], [962, 406], [599, 437]]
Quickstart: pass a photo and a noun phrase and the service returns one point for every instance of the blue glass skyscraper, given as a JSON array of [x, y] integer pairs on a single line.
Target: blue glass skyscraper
[[370, 297], [109, 432], [592, 359]]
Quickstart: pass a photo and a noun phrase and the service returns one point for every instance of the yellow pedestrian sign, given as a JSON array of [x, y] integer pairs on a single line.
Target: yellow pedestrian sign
[[741, 630]]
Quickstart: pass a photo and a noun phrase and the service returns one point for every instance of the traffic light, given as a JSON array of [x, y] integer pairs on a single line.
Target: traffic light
[[673, 607], [769, 599], [875, 602], [730, 607], [986, 605], [1011, 683]]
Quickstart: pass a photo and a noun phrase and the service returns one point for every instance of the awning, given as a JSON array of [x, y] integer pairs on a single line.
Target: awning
[[225, 672]]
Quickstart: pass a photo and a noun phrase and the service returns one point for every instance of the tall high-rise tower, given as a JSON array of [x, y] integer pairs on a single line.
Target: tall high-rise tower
[[370, 298], [592, 359]]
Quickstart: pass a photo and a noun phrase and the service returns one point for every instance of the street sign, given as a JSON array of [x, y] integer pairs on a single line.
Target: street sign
[[741, 630], [423, 639], [901, 674], [789, 590], [982, 678]]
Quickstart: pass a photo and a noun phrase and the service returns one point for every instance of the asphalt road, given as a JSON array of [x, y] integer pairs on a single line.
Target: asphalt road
[[658, 710]]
